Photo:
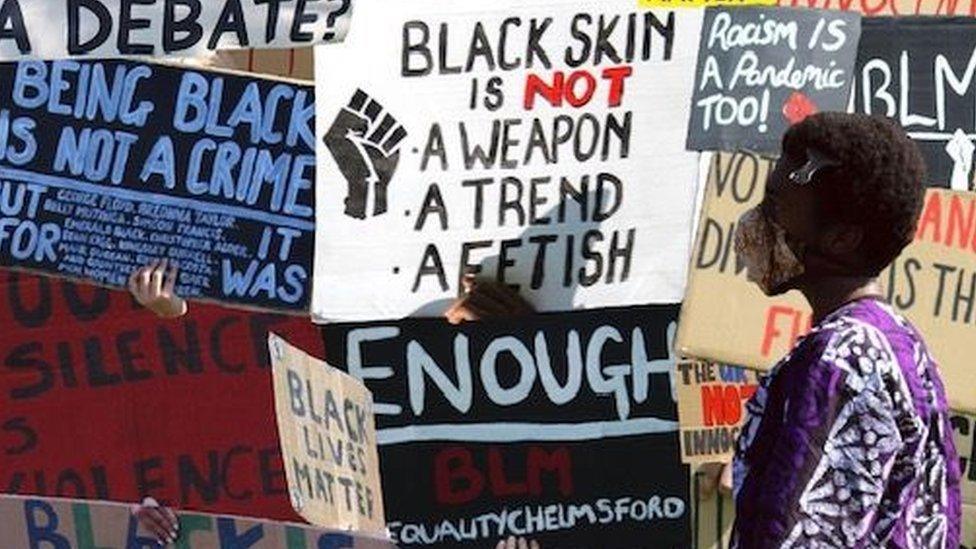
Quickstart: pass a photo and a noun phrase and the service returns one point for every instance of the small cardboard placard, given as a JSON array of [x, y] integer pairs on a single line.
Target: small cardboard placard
[[328, 441], [711, 408]]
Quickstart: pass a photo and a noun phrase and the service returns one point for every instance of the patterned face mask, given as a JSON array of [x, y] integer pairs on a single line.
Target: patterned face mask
[[770, 262]]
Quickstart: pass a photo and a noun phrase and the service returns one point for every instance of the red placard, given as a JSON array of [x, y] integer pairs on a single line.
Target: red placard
[[102, 400]]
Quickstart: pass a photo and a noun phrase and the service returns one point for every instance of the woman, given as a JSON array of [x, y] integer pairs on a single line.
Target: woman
[[848, 442]]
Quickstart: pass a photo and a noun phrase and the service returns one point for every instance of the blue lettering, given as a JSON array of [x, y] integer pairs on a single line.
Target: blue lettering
[[268, 171], [236, 282], [336, 541], [213, 123], [298, 184], [47, 532], [161, 161], [102, 99], [59, 85], [138, 116], [277, 93], [731, 374], [193, 183], [228, 155], [295, 277], [230, 539], [191, 97], [249, 110], [135, 541], [302, 118], [30, 87], [23, 128], [123, 142], [71, 150]]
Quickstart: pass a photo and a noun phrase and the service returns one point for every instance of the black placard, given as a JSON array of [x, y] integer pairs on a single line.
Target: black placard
[[762, 69], [919, 72], [557, 427], [106, 166]]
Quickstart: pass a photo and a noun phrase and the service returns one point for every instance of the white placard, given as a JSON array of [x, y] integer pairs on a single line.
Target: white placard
[[52, 29], [541, 142]]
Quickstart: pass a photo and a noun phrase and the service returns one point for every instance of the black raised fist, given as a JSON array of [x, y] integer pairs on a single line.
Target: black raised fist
[[365, 142]]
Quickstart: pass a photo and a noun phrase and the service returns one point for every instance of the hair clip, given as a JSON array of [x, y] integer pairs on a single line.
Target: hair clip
[[816, 161]]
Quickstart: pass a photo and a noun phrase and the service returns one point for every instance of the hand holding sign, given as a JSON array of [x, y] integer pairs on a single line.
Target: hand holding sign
[[153, 286], [161, 521], [365, 143], [485, 300]]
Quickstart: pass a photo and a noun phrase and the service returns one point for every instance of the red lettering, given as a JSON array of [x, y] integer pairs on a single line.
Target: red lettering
[[537, 86], [772, 332], [500, 484], [557, 461], [589, 89], [732, 404], [616, 76], [456, 480], [931, 219], [958, 224], [713, 405]]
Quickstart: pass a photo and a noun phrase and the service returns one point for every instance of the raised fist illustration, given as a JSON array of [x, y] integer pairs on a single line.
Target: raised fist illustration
[[365, 142]]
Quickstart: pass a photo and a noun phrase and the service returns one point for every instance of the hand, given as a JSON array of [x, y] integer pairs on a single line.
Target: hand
[[520, 543], [161, 521], [725, 481], [365, 142], [152, 286], [714, 476], [486, 300]]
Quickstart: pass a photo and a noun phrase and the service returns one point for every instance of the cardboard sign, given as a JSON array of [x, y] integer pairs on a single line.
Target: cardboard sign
[[328, 441], [761, 70], [964, 429], [929, 283], [712, 520], [968, 527], [465, 138], [916, 71], [66, 523], [101, 399], [154, 28], [541, 426], [109, 165], [711, 408]]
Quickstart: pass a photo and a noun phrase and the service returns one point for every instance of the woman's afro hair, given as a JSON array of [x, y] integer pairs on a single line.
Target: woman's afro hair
[[879, 185]]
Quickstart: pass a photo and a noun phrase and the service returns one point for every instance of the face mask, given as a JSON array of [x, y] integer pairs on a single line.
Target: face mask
[[769, 260]]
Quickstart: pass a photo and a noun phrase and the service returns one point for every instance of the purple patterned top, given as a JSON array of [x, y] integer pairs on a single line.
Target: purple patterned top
[[848, 442]]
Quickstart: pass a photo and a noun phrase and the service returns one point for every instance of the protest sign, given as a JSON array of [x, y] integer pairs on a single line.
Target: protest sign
[[328, 441], [761, 70], [713, 519], [711, 408], [968, 527], [101, 399], [725, 318], [918, 71], [66, 523], [155, 28], [109, 165], [466, 138], [540, 426], [964, 429]]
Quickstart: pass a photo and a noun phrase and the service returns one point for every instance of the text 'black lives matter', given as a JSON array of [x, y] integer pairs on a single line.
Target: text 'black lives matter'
[[919, 71], [107, 166], [761, 70]]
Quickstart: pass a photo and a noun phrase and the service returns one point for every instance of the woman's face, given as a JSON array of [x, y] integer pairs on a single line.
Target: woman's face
[[792, 206]]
